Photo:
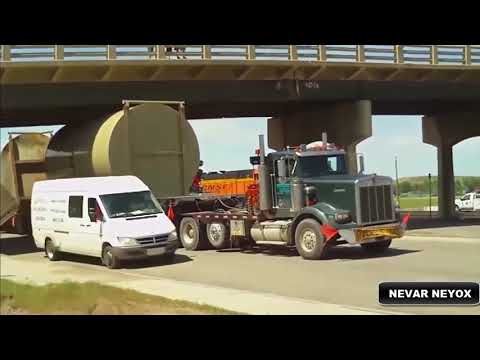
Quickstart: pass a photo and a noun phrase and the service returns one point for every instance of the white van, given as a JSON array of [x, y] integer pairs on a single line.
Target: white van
[[115, 218]]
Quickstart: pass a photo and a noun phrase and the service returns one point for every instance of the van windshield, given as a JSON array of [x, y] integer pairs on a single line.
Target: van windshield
[[130, 204]]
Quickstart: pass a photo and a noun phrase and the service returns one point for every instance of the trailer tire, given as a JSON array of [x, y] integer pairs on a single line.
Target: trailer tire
[[51, 252], [377, 247], [309, 240], [218, 235], [193, 234]]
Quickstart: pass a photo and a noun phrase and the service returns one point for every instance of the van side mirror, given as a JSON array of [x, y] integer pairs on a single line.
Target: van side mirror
[[362, 165]]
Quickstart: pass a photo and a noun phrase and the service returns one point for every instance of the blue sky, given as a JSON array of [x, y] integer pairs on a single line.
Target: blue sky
[[226, 144]]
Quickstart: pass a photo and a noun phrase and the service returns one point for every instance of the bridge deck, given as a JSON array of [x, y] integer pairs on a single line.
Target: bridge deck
[[84, 63]]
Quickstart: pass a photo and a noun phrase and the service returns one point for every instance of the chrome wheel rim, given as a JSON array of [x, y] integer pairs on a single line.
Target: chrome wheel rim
[[108, 257], [49, 250], [309, 240], [188, 235], [216, 232]]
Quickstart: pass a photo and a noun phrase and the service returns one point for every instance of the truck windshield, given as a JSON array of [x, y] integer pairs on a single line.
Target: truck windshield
[[313, 166], [130, 204]]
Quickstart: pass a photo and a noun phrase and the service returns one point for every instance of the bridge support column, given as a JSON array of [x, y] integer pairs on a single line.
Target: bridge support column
[[346, 123], [444, 131]]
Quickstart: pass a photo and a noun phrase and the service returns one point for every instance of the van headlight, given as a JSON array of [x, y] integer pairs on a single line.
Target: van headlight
[[172, 236], [127, 241]]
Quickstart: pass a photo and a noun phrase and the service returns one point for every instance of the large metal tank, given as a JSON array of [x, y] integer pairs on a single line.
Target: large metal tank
[[153, 143], [22, 163]]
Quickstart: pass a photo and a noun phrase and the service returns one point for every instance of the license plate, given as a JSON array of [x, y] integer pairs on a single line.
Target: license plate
[[373, 233], [237, 228], [156, 251]]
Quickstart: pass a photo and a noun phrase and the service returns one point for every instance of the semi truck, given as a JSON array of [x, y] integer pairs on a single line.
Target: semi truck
[[303, 197]]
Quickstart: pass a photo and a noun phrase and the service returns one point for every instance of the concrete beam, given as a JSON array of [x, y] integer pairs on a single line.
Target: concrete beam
[[444, 131], [346, 123]]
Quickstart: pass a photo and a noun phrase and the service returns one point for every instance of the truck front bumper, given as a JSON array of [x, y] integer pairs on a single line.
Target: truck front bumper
[[373, 233], [142, 252]]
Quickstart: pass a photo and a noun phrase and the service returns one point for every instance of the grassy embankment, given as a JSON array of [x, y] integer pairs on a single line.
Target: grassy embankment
[[91, 299], [416, 202]]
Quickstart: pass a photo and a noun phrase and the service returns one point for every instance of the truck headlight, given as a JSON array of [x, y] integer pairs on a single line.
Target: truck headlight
[[172, 236], [127, 241], [343, 218]]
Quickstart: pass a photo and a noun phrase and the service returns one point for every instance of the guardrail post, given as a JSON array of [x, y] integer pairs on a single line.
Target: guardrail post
[[399, 54], [160, 52], [467, 55], [111, 52], [250, 52], [6, 53], [292, 52], [322, 53], [360, 53], [59, 52], [206, 52], [434, 54]]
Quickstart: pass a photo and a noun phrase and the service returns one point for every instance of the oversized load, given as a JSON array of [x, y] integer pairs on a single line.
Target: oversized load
[[154, 143], [22, 163]]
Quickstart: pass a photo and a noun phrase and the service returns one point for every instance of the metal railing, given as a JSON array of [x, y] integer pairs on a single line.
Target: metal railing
[[383, 54]]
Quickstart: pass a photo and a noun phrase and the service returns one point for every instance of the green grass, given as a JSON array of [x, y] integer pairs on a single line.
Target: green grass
[[416, 202], [91, 298]]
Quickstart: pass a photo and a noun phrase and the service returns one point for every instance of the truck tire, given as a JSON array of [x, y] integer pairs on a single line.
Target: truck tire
[[109, 259], [51, 252], [193, 234], [309, 240], [378, 246], [218, 235]]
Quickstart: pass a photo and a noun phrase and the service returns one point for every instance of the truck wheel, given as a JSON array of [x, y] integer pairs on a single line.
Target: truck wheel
[[50, 251], [378, 246], [218, 235], [309, 240], [193, 234], [109, 259]]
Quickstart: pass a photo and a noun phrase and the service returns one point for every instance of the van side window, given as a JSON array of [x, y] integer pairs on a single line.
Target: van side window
[[477, 196], [75, 206]]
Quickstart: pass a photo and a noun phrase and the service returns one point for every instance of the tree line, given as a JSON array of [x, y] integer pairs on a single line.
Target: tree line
[[462, 185]]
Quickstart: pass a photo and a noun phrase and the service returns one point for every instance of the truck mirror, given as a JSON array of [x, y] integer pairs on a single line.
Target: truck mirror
[[362, 165]]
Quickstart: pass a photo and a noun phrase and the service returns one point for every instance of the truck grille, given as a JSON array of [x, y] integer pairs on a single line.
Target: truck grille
[[376, 203], [152, 240]]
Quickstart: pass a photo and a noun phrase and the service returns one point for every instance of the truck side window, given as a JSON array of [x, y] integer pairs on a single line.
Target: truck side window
[[75, 206]]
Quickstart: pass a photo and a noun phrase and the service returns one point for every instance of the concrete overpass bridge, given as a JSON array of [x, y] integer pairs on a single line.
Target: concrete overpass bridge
[[305, 89]]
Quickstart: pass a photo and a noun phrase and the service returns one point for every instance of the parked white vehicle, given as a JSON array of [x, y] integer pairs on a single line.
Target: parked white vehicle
[[115, 218], [468, 202]]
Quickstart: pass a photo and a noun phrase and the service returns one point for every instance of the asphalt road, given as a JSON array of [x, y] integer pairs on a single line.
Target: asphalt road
[[348, 276]]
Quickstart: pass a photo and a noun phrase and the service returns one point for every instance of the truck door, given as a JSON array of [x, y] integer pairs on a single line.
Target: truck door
[[476, 202], [468, 203]]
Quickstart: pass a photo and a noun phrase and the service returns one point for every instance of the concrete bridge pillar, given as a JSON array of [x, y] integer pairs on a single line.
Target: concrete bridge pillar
[[346, 123], [444, 131]]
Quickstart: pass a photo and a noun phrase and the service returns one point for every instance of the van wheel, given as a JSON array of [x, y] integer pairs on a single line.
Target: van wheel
[[378, 246], [193, 234], [109, 259], [50, 251], [218, 235], [309, 240]]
